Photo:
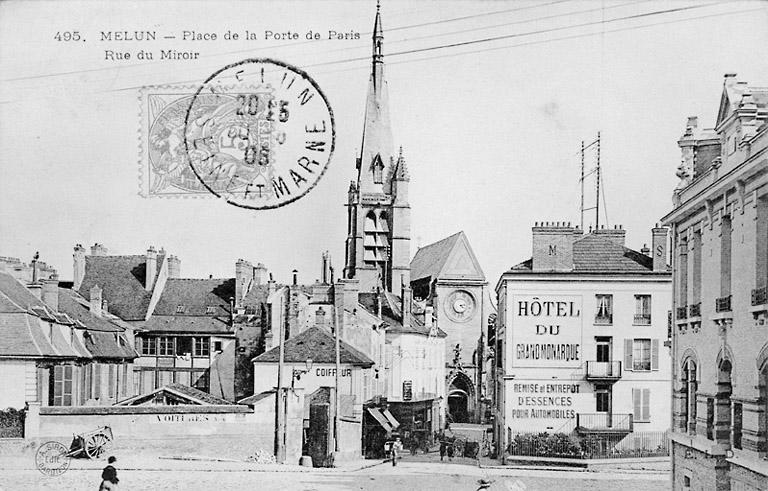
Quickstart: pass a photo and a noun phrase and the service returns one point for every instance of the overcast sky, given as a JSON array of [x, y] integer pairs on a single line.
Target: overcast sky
[[491, 130]]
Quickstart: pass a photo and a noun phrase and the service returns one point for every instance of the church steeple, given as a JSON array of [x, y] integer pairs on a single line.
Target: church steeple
[[377, 145]]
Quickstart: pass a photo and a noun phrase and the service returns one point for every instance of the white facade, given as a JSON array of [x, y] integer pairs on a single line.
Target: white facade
[[545, 379], [18, 383], [418, 361]]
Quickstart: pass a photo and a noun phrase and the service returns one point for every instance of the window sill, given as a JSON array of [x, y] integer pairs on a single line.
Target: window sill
[[645, 324]]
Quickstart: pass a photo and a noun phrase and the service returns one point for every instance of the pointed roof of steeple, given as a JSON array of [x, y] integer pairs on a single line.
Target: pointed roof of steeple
[[401, 172], [377, 134]]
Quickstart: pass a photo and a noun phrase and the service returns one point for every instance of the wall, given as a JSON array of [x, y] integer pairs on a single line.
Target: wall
[[556, 376], [233, 431], [418, 358], [350, 440], [18, 383]]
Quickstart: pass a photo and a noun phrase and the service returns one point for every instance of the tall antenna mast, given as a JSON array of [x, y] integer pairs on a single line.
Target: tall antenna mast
[[582, 184], [597, 186]]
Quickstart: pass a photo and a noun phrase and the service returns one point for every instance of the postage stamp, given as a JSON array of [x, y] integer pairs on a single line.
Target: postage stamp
[[51, 459], [258, 133]]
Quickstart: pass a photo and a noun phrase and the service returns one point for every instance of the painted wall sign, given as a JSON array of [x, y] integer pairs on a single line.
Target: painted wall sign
[[546, 331], [331, 372], [541, 400]]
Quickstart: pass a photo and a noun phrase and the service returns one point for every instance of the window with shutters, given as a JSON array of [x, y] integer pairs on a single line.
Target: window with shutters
[[602, 400], [96, 380], [604, 312], [111, 381], [641, 403], [61, 395], [641, 354]]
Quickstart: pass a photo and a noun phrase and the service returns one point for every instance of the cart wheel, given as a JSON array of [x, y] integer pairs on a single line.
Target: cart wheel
[[96, 445]]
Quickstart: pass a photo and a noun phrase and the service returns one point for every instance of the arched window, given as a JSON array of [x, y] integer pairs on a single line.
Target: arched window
[[378, 169], [722, 404], [690, 388]]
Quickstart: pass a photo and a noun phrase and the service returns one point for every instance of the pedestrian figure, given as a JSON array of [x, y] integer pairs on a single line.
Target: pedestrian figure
[[450, 451], [109, 478], [442, 450], [397, 447]]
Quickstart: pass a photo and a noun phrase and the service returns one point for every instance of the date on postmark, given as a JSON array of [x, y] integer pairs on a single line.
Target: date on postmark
[[258, 133]]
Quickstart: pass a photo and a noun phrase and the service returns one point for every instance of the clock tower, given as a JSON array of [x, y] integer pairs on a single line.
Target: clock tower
[[378, 240]]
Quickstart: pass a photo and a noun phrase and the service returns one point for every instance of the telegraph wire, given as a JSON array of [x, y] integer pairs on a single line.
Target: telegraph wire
[[485, 40], [289, 44]]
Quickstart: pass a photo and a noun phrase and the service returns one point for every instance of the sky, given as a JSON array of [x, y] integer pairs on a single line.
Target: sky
[[489, 100]]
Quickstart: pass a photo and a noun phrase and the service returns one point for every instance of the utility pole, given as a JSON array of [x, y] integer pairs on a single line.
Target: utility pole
[[336, 391], [280, 409]]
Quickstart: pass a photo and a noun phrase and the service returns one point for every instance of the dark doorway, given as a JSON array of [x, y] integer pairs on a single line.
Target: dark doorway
[[459, 400]]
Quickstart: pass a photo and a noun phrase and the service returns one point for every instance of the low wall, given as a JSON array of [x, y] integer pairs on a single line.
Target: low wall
[[350, 437], [229, 431]]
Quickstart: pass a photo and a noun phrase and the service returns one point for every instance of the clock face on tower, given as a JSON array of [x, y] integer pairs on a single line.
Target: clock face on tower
[[460, 306]]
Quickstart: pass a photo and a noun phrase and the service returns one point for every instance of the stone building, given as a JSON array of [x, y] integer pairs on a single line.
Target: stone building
[[720, 258], [447, 276], [581, 340]]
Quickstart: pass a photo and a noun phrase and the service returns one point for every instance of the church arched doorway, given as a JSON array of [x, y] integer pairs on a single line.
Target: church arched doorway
[[460, 399]]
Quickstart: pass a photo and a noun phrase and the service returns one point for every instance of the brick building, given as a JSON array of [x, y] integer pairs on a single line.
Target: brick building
[[720, 258]]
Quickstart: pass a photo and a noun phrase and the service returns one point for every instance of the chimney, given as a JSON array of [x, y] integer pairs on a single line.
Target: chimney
[[268, 340], [326, 268], [259, 274], [96, 300], [151, 268], [98, 250], [104, 307], [36, 289], [243, 277], [645, 250], [270, 286], [406, 299], [320, 317], [730, 79], [552, 246], [693, 122], [616, 234], [78, 266], [320, 293], [51, 292], [659, 248], [174, 267], [295, 277]]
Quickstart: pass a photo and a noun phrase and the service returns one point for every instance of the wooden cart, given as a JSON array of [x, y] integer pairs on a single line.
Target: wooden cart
[[91, 444]]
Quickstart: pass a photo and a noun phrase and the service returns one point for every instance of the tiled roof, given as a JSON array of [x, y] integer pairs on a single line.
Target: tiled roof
[[21, 336], [122, 280], [251, 400], [318, 344], [187, 324], [429, 260], [185, 393], [15, 297], [595, 254], [108, 345], [391, 313], [77, 308], [196, 295]]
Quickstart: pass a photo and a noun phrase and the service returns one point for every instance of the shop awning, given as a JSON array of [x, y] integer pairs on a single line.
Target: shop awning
[[395, 423], [380, 418]]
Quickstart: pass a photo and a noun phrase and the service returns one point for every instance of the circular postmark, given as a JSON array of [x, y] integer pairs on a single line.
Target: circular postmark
[[259, 133], [51, 459]]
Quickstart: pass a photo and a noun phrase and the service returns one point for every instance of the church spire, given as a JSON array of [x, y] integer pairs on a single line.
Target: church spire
[[376, 150]]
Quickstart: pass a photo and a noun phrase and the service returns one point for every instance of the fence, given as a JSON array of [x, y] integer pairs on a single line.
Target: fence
[[593, 446]]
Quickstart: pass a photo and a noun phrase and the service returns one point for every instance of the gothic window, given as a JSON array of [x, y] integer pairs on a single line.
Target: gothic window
[[378, 169]]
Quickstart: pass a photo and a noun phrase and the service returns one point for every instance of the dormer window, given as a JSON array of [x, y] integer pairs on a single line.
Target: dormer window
[[378, 169], [179, 309], [210, 310]]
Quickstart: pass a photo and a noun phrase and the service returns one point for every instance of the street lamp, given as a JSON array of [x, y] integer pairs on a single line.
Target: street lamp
[[298, 372]]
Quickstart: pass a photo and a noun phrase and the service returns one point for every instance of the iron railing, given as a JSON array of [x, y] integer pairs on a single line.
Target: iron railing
[[723, 304], [694, 310], [610, 446], [682, 312], [604, 319], [643, 319], [604, 421], [603, 370], [760, 296]]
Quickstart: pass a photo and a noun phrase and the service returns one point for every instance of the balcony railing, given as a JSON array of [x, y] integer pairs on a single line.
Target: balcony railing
[[723, 304], [694, 310], [604, 319], [682, 312], [603, 370], [605, 422], [760, 296], [642, 319]]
